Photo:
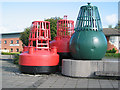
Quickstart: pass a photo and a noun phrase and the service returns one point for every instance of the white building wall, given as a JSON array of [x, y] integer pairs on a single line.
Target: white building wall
[[115, 40]]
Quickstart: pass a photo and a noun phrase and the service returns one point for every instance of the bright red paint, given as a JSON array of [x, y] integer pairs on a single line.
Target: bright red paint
[[61, 41], [39, 54]]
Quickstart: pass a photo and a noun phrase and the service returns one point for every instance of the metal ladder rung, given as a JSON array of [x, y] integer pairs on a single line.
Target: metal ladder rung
[[42, 44], [43, 47], [42, 37]]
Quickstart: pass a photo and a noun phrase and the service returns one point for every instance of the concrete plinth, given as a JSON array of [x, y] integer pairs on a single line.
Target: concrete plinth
[[87, 68]]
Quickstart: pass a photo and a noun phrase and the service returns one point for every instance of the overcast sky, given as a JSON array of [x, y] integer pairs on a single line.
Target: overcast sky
[[16, 16]]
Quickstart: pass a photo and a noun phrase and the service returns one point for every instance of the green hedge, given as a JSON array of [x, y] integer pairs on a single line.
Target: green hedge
[[111, 51], [8, 53], [16, 59], [112, 54]]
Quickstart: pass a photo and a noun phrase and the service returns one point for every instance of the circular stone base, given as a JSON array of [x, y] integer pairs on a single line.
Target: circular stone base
[[87, 68]]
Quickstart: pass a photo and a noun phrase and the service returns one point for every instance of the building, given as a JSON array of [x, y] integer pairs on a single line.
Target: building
[[113, 38], [10, 42]]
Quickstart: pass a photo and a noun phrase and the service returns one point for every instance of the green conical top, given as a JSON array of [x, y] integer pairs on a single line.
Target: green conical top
[[88, 19]]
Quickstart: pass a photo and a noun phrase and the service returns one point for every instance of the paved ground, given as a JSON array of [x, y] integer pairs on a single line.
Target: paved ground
[[12, 78]]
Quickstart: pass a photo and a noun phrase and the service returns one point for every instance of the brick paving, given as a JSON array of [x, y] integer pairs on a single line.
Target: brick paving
[[12, 78]]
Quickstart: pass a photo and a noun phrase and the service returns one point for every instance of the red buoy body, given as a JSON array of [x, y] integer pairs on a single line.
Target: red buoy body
[[38, 57], [65, 29], [61, 43]]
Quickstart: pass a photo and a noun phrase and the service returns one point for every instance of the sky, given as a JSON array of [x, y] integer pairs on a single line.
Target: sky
[[16, 16]]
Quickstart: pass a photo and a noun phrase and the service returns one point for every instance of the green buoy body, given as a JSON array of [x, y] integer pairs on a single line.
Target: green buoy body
[[88, 42]]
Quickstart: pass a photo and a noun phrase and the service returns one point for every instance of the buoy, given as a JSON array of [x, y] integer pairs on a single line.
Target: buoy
[[88, 42], [38, 57], [65, 29]]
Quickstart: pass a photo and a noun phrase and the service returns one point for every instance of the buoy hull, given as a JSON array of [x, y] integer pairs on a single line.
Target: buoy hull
[[62, 45], [88, 45], [39, 62]]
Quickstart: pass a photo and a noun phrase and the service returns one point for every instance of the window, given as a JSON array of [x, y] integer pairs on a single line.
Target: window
[[17, 50], [5, 42], [5, 48], [11, 41], [11, 49], [17, 42]]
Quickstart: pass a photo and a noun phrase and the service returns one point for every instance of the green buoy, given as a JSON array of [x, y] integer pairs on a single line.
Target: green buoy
[[88, 42]]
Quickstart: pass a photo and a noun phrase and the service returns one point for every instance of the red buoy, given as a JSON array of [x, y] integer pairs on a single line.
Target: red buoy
[[65, 29], [37, 57]]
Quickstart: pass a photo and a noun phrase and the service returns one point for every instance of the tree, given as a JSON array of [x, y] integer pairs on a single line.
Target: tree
[[109, 26], [53, 26], [25, 36], [118, 26]]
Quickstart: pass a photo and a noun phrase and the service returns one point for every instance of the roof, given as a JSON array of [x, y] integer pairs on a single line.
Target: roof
[[11, 35], [111, 32]]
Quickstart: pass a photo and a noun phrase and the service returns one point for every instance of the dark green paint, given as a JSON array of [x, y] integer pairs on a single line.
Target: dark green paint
[[88, 45], [88, 42]]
